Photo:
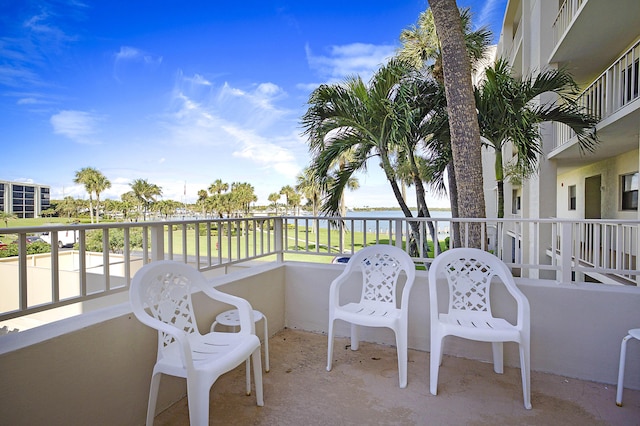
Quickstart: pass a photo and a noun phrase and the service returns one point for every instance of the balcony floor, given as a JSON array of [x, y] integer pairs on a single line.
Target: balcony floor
[[363, 388]]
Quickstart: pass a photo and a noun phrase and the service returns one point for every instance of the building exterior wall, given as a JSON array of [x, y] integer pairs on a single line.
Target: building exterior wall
[[25, 200], [531, 41]]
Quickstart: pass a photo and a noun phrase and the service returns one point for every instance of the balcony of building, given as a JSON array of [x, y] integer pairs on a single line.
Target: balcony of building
[[94, 367], [613, 97], [590, 34]]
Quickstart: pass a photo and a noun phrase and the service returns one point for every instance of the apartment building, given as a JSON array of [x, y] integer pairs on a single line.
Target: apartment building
[[25, 200], [598, 41]]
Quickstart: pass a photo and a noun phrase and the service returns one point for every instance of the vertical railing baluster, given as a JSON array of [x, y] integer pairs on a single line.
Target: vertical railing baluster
[[105, 258]]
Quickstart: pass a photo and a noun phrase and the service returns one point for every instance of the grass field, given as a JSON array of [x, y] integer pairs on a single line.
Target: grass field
[[324, 246]]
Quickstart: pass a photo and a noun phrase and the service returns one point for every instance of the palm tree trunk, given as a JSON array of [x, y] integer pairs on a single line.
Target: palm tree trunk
[[500, 181], [412, 241], [91, 207], [453, 198], [463, 121], [423, 210]]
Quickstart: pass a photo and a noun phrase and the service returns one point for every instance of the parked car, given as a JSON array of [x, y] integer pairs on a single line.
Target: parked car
[[32, 239], [66, 238], [2, 245]]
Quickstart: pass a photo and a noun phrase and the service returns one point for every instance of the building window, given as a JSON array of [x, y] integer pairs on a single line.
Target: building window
[[630, 82], [629, 185], [515, 202], [572, 197]]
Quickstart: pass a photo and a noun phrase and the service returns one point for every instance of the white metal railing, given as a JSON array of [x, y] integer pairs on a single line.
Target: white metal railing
[[121, 248], [565, 17], [563, 249], [516, 42], [611, 91]]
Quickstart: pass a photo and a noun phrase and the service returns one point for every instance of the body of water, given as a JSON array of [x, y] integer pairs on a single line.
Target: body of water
[[383, 226]]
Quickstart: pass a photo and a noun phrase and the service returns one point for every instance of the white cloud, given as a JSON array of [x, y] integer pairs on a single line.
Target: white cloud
[[350, 59], [266, 154], [491, 9], [244, 123], [128, 54], [79, 126]]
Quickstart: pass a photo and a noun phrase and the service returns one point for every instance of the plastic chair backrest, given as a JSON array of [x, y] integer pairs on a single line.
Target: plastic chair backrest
[[161, 293], [469, 273], [381, 266]]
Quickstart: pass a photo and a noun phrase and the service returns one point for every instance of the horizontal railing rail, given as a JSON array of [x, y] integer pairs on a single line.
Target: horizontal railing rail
[[106, 256]]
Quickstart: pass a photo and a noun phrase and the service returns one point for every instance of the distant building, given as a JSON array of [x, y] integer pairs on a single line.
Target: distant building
[[25, 200]]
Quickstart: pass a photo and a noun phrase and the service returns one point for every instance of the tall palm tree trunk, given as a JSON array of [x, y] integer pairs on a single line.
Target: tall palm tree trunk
[[463, 121]]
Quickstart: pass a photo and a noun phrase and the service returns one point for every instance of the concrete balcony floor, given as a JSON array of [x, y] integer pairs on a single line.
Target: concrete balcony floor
[[363, 388]]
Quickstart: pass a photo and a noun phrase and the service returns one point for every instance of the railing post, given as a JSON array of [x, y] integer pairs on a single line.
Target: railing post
[[157, 242], [279, 236], [398, 241], [565, 253]]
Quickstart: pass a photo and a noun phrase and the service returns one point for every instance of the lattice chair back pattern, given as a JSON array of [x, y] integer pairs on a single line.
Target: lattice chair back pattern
[[381, 267], [469, 281], [469, 273], [160, 296], [380, 273], [168, 297]]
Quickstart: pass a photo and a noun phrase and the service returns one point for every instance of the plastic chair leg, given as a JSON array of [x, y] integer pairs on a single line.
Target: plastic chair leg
[[198, 399], [401, 347], [153, 397], [330, 345], [498, 357], [355, 337], [257, 376], [266, 345], [248, 374], [525, 369], [623, 355], [435, 358]]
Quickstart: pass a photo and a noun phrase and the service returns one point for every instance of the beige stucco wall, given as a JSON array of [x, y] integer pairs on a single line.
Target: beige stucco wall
[[576, 329], [95, 369], [610, 171]]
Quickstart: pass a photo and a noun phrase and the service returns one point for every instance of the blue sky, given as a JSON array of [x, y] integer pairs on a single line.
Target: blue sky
[[182, 93]]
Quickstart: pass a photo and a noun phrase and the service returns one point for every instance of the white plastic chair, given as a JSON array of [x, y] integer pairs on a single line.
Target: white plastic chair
[[469, 273], [160, 295], [380, 267], [634, 333]]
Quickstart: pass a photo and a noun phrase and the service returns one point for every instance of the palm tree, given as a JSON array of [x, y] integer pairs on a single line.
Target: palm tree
[[6, 217], [353, 117], [100, 183], [244, 194], [463, 122], [311, 188], [288, 192], [378, 120], [507, 113], [129, 202], [421, 47], [145, 193], [87, 177], [202, 198], [218, 187], [273, 198], [67, 207]]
